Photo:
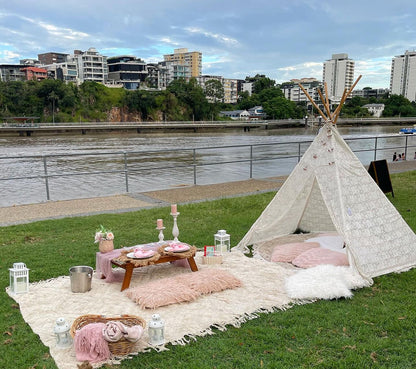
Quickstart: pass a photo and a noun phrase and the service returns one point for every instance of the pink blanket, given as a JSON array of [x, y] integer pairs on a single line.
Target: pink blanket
[[90, 344], [114, 331], [104, 267]]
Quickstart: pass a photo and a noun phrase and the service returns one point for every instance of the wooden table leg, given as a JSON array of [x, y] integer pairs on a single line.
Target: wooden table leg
[[127, 276], [192, 264]]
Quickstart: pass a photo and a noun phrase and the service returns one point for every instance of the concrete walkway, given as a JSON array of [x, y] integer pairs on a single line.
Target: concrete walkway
[[131, 202]]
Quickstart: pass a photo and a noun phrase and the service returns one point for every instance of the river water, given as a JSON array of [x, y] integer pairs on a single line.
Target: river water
[[159, 160]]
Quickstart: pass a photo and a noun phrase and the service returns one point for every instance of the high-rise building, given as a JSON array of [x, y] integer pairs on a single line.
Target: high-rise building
[[403, 75], [91, 65], [338, 73], [192, 59]]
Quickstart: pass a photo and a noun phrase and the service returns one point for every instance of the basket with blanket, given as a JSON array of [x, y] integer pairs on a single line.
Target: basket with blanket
[[97, 337]]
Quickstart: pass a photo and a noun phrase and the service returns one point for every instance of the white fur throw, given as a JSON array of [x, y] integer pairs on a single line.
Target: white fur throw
[[182, 288], [324, 282]]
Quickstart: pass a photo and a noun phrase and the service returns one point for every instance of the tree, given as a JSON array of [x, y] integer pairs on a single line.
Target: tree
[[192, 97], [260, 82], [214, 90], [280, 108]]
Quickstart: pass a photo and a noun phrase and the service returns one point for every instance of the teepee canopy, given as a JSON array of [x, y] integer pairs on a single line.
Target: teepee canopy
[[330, 190]]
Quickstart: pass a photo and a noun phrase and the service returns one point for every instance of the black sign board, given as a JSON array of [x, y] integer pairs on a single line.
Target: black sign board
[[380, 172]]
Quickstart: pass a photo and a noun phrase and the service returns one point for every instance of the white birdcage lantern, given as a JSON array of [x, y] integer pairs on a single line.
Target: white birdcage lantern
[[62, 334], [19, 278], [222, 242], [156, 331]]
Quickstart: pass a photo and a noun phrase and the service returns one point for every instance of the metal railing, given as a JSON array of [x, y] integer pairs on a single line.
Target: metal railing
[[245, 155]]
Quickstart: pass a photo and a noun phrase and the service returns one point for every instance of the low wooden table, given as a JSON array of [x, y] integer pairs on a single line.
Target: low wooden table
[[129, 264]]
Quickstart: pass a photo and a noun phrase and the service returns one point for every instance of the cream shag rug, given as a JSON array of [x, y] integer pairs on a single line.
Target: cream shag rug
[[262, 290]]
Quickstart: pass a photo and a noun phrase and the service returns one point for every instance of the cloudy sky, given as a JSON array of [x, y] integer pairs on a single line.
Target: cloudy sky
[[282, 39]]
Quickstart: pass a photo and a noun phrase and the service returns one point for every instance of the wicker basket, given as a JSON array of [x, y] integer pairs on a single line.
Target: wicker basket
[[119, 348]]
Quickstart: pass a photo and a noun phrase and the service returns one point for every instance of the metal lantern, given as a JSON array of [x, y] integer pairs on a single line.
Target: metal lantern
[[156, 330], [222, 242], [62, 335], [19, 278]]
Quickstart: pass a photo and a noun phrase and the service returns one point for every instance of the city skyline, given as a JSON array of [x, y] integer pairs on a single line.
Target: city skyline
[[283, 40]]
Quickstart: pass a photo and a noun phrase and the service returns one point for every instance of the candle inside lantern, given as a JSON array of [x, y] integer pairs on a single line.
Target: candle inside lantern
[[160, 223], [173, 208]]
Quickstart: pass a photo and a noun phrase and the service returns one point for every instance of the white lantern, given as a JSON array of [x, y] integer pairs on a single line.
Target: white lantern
[[62, 335], [222, 242], [156, 330], [19, 278]]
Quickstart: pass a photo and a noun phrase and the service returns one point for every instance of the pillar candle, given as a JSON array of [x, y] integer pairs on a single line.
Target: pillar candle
[[173, 208], [159, 223]]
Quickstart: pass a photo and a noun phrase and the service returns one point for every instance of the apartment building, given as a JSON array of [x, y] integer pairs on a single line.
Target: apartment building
[[192, 59], [12, 72], [370, 92], [338, 73], [66, 71], [126, 70], [52, 58], [293, 92], [403, 75], [91, 65], [35, 73], [230, 90]]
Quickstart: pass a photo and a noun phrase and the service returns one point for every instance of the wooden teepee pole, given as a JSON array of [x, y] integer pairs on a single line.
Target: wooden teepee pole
[[313, 102], [326, 95], [328, 111]]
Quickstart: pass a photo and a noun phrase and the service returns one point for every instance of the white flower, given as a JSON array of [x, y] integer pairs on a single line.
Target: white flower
[[103, 234]]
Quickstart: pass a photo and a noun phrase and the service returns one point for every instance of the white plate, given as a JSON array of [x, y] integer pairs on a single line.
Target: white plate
[[185, 248], [131, 256]]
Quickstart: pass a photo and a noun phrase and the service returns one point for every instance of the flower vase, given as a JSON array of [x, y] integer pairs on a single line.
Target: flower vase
[[106, 246]]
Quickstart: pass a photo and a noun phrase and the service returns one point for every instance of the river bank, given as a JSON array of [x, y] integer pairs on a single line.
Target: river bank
[[132, 202], [84, 128]]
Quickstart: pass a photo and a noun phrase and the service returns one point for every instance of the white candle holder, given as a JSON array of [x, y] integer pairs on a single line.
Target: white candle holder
[[175, 229], [161, 235]]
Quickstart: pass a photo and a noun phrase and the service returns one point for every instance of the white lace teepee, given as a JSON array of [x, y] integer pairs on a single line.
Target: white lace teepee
[[329, 190]]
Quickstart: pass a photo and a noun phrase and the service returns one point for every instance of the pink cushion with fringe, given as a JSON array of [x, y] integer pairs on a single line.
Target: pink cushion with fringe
[[181, 288], [163, 292], [320, 256], [287, 252], [209, 281]]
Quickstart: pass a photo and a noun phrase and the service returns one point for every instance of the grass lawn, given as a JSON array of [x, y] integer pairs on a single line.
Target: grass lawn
[[374, 329]]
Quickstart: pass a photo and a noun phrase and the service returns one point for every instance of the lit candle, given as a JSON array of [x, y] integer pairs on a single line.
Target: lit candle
[[173, 208], [159, 223]]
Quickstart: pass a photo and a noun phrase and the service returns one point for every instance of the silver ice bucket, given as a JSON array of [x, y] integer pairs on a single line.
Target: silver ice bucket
[[81, 277]]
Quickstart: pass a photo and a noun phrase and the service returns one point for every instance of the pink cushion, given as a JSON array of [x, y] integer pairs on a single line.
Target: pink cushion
[[320, 256], [182, 288], [161, 293], [287, 252]]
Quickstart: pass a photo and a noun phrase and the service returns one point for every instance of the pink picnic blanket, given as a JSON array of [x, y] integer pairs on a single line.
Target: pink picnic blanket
[[104, 268]]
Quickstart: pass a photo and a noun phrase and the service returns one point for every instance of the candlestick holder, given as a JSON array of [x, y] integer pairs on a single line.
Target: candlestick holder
[[161, 235], [175, 229]]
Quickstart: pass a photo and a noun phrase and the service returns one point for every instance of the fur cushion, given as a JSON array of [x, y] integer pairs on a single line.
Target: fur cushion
[[162, 292], [324, 282], [287, 252], [320, 256], [209, 281], [182, 288], [321, 282]]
